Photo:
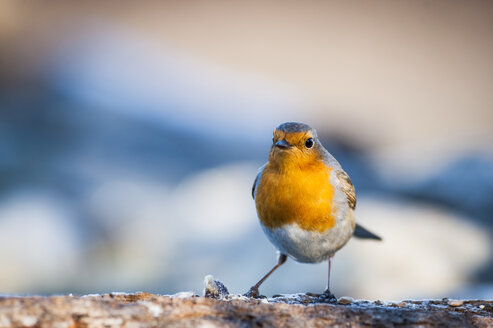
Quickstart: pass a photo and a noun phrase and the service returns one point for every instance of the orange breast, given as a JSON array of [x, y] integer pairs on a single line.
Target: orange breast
[[296, 196]]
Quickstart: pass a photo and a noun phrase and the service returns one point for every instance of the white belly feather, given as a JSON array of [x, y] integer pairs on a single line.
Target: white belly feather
[[310, 246]]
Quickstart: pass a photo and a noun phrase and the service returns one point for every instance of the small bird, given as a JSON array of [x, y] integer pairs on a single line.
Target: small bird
[[305, 201]]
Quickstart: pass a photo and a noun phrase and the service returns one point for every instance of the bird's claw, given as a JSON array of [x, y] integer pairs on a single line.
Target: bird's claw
[[253, 293], [326, 296]]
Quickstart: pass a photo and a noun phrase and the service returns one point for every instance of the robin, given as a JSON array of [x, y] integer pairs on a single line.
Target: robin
[[305, 201]]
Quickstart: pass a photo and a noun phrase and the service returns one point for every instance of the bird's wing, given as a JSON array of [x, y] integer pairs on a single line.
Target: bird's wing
[[348, 188], [257, 180]]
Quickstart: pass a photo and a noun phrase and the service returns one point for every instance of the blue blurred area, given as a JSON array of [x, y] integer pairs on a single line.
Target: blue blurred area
[[126, 163], [464, 185]]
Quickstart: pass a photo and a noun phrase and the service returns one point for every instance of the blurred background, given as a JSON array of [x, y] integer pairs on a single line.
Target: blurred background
[[131, 133]]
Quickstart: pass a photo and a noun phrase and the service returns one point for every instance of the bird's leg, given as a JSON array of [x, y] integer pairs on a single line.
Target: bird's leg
[[253, 292], [327, 294]]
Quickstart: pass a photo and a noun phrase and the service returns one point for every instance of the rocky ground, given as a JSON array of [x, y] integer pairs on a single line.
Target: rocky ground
[[219, 308]]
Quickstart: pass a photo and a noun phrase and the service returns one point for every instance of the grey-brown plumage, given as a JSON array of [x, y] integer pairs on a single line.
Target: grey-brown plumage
[[348, 188], [294, 127]]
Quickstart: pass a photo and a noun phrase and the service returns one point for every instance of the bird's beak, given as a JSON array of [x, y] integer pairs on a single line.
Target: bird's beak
[[283, 144]]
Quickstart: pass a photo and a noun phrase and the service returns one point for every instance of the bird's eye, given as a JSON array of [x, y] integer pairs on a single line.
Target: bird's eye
[[309, 143], [273, 140]]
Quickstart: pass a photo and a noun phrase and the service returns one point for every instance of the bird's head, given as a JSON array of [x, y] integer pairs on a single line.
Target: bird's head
[[295, 144]]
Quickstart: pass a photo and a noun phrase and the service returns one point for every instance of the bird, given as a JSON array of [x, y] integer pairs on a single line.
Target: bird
[[305, 201]]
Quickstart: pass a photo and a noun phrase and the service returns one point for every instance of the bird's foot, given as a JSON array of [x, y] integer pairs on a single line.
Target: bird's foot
[[325, 297], [253, 293]]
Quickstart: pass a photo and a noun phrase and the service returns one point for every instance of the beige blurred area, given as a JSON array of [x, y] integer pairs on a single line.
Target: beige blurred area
[[407, 83], [413, 75]]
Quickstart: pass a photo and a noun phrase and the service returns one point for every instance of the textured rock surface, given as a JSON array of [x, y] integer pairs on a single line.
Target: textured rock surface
[[145, 310]]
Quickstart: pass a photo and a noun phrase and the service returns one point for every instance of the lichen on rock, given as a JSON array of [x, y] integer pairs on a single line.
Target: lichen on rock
[[214, 288]]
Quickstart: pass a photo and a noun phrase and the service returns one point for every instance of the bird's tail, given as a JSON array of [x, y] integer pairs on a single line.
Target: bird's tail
[[360, 232]]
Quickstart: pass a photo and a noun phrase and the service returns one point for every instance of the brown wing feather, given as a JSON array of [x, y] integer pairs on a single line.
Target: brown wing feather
[[348, 188]]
